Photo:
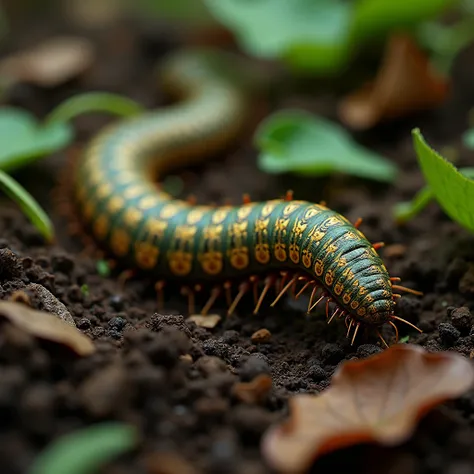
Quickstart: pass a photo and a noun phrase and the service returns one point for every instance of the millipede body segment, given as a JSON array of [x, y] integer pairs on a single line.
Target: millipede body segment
[[119, 202]]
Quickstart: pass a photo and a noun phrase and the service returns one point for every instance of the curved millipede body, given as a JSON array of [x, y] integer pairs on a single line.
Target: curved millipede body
[[283, 242]]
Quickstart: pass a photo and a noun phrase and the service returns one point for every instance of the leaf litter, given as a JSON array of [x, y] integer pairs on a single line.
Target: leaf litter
[[46, 326], [379, 399]]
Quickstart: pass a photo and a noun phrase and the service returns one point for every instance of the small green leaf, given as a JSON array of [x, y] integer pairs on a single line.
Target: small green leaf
[[85, 290], [103, 268], [307, 32], [28, 205], [405, 211], [87, 450], [468, 139], [23, 139], [453, 191], [404, 340], [298, 142], [94, 102]]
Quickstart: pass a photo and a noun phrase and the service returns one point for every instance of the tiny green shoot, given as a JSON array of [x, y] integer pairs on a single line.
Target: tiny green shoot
[[298, 142], [90, 102], [32, 210], [87, 450], [24, 140], [85, 290], [103, 268], [453, 190], [404, 340]]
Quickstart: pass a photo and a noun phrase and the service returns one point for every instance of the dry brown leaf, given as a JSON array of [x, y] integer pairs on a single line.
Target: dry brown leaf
[[379, 399], [207, 321], [50, 63], [46, 326], [405, 82], [255, 391]]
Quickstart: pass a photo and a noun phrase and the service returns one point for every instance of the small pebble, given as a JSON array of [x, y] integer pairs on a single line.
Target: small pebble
[[461, 319], [117, 323], [261, 336]]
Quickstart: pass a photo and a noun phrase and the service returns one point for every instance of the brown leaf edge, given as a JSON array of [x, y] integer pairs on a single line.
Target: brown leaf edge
[[46, 326], [345, 371], [406, 82]]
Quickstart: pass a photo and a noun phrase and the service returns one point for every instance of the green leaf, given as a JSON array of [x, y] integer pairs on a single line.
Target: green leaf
[[94, 102], [85, 451], [453, 191], [306, 32], [405, 211], [373, 18], [298, 142], [28, 205], [317, 35], [404, 340], [23, 139]]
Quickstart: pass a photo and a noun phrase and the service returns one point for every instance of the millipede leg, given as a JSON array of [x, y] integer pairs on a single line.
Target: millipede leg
[[355, 333], [186, 291], [382, 339], [285, 289], [308, 283], [254, 281], [313, 294], [215, 292], [269, 281], [317, 302], [243, 288], [334, 315], [228, 292]]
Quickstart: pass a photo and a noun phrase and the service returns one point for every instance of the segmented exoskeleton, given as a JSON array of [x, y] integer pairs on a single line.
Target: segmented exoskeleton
[[255, 245]]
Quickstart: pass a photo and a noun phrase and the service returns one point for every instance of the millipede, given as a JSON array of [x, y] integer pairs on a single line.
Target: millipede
[[290, 245]]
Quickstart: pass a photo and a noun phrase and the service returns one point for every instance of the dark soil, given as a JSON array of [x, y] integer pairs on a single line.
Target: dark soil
[[174, 380]]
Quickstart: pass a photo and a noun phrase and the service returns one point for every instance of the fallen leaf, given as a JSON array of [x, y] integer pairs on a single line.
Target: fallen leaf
[[46, 326], [255, 391], [207, 321], [379, 399], [261, 336], [405, 83], [50, 63]]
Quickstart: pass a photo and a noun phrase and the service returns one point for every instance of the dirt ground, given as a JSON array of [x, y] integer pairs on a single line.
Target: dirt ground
[[189, 419]]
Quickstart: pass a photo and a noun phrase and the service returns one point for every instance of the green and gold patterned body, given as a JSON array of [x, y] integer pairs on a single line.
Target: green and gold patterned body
[[119, 201]]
